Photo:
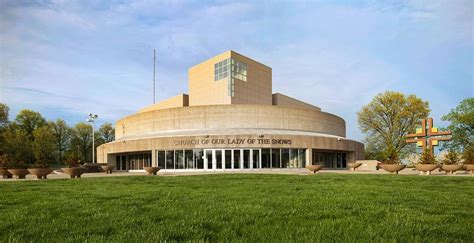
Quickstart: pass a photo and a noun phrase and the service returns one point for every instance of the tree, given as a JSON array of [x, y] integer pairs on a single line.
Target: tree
[[4, 112], [106, 133], [16, 143], [468, 155], [374, 148], [43, 146], [28, 121], [62, 137], [82, 140], [388, 118], [461, 125]]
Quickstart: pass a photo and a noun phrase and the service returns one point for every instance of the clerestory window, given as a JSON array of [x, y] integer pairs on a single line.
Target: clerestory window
[[231, 69]]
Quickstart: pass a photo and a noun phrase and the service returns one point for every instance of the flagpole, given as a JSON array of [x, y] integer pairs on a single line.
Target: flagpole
[[154, 61]]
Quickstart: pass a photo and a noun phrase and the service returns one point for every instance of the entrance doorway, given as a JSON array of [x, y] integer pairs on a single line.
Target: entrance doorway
[[232, 159], [333, 160], [132, 161]]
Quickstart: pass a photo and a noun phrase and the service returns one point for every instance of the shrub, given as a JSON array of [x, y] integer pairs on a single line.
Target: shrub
[[468, 155], [427, 158], [391, 155], [451, 158], [17, 164], [4, 161], [41, 164], [71, 162]]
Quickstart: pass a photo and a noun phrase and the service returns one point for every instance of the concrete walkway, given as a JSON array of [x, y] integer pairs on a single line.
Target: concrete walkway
[[407, 171]]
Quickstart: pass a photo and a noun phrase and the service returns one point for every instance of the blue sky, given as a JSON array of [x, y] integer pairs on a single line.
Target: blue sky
[[68, 58]]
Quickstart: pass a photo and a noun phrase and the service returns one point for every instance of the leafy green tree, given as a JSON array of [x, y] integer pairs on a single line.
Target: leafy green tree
[[28, 121], [43, 146], [82, 140], [374, 148], [4, 112], [388, 118], [468, 155], [62, 138], [16, 143], [461, 125], [106, 133]]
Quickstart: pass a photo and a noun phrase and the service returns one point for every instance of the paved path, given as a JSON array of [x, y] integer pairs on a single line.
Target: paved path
[[407, 171]]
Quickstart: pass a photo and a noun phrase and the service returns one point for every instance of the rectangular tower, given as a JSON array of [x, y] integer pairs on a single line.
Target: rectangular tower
[[230, 78]]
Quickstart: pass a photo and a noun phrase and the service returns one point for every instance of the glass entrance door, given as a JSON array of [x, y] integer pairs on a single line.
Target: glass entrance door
[[208, 159], [213, 159], [227, 159], [236, 159]]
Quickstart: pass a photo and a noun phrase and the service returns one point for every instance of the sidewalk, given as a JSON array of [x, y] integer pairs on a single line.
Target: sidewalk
[[407, 171]]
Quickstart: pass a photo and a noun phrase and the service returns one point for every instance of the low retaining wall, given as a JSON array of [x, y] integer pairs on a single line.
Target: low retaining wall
[[368, 164]]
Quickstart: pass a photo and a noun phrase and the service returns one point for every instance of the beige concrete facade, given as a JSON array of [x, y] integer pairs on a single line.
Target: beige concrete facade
[[180, 100], [231, 113], [230, 117], [283, 100], [354, 149], [205, 90]]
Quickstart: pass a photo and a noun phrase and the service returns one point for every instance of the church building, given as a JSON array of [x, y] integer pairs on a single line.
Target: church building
[[230, 120]]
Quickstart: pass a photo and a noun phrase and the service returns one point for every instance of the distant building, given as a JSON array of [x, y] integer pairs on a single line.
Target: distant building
[[230, 121]]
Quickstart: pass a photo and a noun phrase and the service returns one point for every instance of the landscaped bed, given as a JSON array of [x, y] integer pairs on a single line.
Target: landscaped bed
[[253, 207]]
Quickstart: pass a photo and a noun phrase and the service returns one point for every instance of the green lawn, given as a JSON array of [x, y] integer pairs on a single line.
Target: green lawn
[[252, 207]]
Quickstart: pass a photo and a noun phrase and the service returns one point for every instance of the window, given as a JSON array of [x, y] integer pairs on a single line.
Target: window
[[218, 159], [276, 158], [246, 159], [256, 159], [199, 161], [302, 158], [179, 159], [170, 159], [239, 70], [161, 159], [266, 162], [221, 69], [188, 158], [231, 69], [330, 159], [285, 158], [236, 159], [118, 165], [228, 159]]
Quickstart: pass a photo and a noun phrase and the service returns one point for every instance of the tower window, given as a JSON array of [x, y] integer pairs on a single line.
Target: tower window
[[231, 69]]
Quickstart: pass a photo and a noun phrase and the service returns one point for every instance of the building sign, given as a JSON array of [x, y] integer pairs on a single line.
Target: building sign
[[233, 141]]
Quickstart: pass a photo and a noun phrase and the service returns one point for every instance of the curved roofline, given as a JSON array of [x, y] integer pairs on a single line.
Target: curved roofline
[[218, 132], [197, 106]]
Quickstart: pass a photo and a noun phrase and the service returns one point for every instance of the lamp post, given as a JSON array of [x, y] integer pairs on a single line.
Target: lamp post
[[91, 119]]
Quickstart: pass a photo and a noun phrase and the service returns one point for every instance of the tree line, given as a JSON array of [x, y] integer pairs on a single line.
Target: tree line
[[32, 139], [386, 121]]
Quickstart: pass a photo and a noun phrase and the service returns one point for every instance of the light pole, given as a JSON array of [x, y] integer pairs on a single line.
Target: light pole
[[91, 119]]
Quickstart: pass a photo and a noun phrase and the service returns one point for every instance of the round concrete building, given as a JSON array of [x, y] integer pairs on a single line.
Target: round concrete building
[[230, 120]]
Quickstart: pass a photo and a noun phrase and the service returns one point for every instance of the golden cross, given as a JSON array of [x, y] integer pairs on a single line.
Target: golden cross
[[428, 136]]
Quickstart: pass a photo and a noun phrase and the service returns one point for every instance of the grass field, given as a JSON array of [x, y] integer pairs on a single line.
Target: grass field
[[328, 207]]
